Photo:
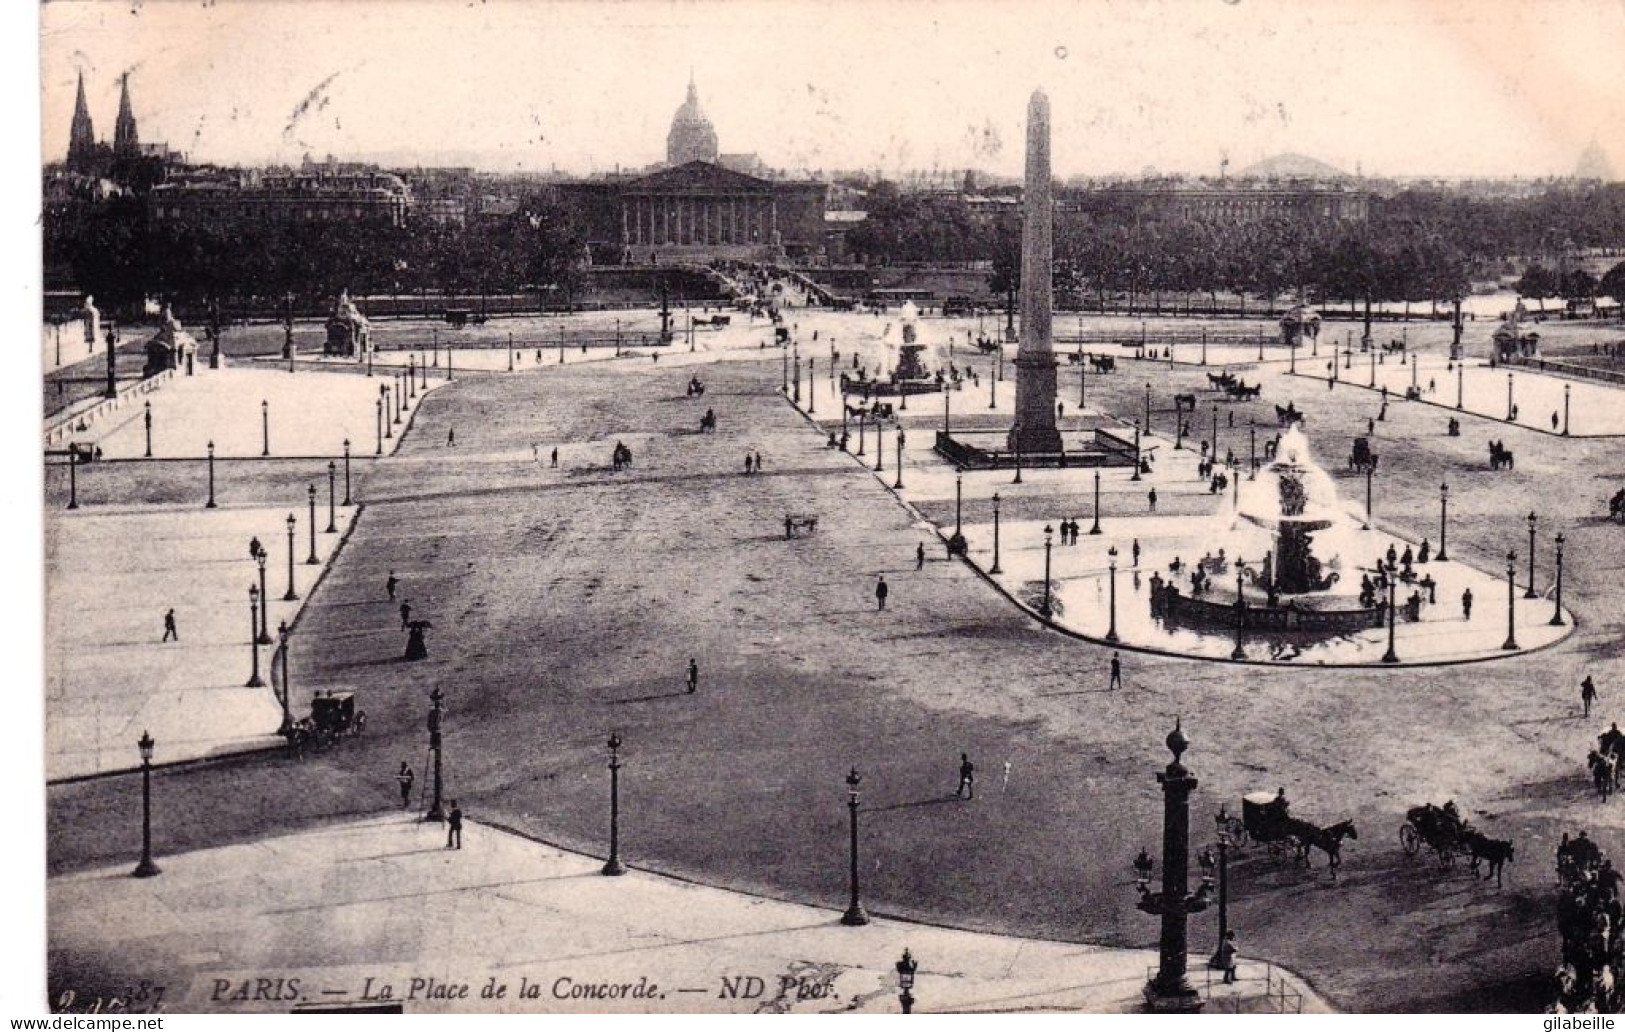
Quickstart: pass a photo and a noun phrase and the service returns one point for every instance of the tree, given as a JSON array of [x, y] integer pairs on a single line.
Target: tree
[[1612, 285], [1539, 283]]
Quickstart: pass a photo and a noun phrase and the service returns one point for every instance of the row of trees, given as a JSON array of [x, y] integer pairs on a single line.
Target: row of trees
[[1419, 246], [116, 252]]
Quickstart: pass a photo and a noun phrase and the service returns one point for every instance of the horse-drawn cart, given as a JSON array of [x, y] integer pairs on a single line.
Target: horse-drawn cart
[[333, 716]]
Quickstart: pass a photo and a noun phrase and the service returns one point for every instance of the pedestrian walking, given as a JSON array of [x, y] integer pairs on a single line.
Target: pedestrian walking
[[555, 458], [1588, 694], [406, 614], [536, 453], [1135, 551], [1554, 420], [881, 591], [1467, 604], [758, 462], [391, 584], [451, 438], [1152, 498], [1227, 956], [1117, 673], [404, 778], [967, 778], [170, 634], [454, 827], [693, 675], [747, 464], [1004, 786], [919, 556]]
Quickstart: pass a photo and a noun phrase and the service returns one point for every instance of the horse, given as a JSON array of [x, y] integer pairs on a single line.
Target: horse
[[1328, 840], [1287, 416], [1220, 380], [1500, 458], [1602, 769], [708, 422], [1496, 852], [1616, 506], [1102, 363]]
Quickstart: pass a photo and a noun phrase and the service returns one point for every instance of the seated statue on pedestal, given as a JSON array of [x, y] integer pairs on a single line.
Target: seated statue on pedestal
[[169, 347]]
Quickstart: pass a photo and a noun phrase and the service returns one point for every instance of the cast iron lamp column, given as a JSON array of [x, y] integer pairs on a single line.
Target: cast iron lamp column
[[287, 714], [332, 494], [812, 385], [1136, 475], [956, 544], [1017, 435], [855, 914], [1511, 643], [1444, 510], [1239, 652], [863, 427], [254, 635], [259, 553], [380, 421], [291, 595], [265, 429], [1046, 610], [1509, 397], [1392, 571], [1529, 592], [880, 447], [383, 394], [995, 567], [210, 503], [1111, 564], [613, 866], [73, 477], [1557, 609], [1252, 450], [905, 981], [1461, 368], [437, 812], [1565, 410], [1169, 990], [146, 417], [898, 484], [146, 868], [1094, 528], [1370, 469], [312, 560], [346, 503]]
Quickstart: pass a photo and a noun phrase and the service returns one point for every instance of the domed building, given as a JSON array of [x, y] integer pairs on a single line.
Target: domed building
[[692, 137]]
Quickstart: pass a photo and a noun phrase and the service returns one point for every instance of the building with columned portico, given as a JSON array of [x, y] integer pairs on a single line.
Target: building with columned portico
[[696, 208]]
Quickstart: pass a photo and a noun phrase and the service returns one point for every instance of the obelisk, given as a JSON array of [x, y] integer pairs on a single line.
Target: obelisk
[[1034, 429]]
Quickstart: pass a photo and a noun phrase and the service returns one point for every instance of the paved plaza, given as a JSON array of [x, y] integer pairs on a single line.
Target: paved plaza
[[519, 563], [380, 902]]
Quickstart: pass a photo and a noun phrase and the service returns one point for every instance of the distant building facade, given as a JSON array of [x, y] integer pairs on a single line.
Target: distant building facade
[[701, 206], [223, 199], [127, 158]]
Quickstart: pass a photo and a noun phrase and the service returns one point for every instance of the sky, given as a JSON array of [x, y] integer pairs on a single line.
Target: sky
[[1387, 87]]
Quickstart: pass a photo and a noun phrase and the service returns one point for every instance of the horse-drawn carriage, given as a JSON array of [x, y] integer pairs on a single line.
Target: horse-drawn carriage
[[1288, 415], [1240, 391], [1102, 363], [1443, 830], [1265, 818], [1616, 506], [1500, 457], [1362, 459], [333, 716], [1221, 381]]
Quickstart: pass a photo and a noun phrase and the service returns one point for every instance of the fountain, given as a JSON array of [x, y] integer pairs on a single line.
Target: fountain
[[1291, 518], [910, 376]]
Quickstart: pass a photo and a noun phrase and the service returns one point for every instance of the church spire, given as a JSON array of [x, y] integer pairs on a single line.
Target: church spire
[[81, 135], [126, 142]]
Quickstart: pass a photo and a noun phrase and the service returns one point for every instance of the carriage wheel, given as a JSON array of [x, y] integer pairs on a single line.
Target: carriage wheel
[[1409, 839]]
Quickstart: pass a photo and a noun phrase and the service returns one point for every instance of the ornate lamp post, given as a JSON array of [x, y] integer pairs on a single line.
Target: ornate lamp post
[[880, 446], [995, 567], [412, 369], [254, 635], [1529, 592], [1444, 511], [1046, 610], [1565, 410], [613, 866], [1094, 528], [784, 371], [73, 477], [1016, 435], [332, 495], [437, 812], [383, 394], [287, 684], [898, 484], [312, 560], [992, 387], [146, 868], [1461, 368], [260, 554], [1392, 570], [905, 981], [265, 429], [1239, 652], [795, 384], [111, 390], [855, 914], [346, 501], [1136, 475], [1509, 397], [291, 595], [146, 417], [1222, 819], [1370, 469], [1111, 565], [398, 378], [210, 503], [1511, 643], [863, 427], [1215, 436], [812, 385], [947, 409], [1148, 408], [1252, 450], [1169, 991], [380, 406], [956, 543], [1557, 608]]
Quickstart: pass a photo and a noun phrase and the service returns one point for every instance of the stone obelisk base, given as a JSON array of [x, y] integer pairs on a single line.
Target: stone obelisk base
[[1035, 405]]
